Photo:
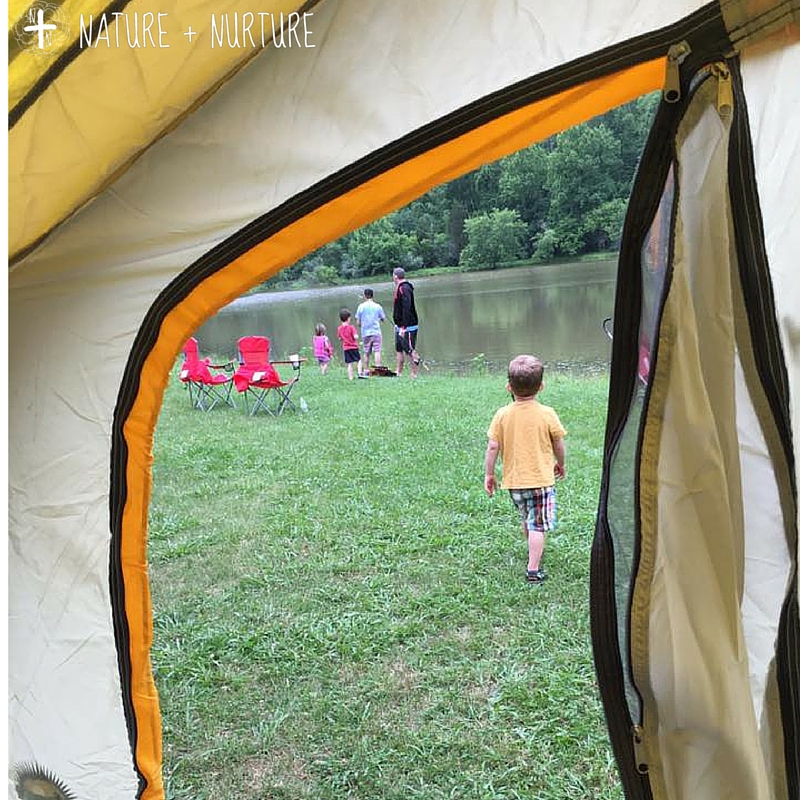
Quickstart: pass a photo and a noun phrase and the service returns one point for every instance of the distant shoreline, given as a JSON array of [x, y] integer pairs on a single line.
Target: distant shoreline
[[379, 282]]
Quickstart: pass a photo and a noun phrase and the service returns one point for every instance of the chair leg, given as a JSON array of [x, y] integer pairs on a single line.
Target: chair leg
[[216, 394], [202, 397], [285, 399], [261, 401], [228, 396], [205, 398]]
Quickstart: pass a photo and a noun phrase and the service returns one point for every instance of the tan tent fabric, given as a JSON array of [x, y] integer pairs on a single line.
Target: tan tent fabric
[[715, 564], [114, 100], [777, 150], [378, 72], [185, 194], [164, 196], [689, 479], [765, 66]]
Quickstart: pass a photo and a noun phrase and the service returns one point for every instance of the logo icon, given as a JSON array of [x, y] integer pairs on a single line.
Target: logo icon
[[43, 30]]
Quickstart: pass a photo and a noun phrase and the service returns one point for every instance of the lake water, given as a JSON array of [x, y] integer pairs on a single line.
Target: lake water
[[553, 311]]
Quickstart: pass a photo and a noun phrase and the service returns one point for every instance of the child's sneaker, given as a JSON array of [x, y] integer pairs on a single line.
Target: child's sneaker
[[535, 575]]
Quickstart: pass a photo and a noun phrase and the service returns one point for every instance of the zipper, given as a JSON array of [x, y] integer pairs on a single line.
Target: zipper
[[676, 55], [724, 88], [122, 634], [639, 739]]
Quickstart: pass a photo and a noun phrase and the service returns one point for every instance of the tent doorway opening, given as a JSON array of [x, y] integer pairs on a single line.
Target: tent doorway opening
[[339, 609]]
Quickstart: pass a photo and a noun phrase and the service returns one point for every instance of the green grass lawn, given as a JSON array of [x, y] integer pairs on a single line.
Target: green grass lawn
[[341, 611]]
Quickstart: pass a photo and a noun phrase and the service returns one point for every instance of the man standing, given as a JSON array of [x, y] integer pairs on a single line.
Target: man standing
[[370, 315], [406, 322]]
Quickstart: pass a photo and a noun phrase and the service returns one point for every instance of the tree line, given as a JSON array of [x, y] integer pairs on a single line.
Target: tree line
[[563, 197]]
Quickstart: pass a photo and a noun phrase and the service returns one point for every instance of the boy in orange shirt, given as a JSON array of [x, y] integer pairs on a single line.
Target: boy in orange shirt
[[529, 437]]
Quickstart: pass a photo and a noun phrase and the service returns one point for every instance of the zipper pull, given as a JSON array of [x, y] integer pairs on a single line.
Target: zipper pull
[[640, 750], [676, 55], [724, 88]]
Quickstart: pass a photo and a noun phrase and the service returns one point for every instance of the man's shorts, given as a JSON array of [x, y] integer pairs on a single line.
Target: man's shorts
[[537, 507], [352, 356], [372, 343], [406, 342]]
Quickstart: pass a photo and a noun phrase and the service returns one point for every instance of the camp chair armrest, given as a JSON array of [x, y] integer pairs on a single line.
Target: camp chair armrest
[[296, 362]]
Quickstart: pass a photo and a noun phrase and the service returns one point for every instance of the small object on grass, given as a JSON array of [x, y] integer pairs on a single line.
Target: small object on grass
[[382, 372]]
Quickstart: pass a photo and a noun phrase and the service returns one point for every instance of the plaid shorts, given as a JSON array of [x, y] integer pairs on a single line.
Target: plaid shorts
[[372, 343], [537, 507]]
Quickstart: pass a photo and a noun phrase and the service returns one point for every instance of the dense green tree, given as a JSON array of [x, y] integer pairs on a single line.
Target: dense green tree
[[523, 185], [562, 197], [545, 245], [630, 124], [427, 220], [583, 172], [322, 275], [564, 238], [493, 239], [378, 248], [314, 268], [424, 216], [455, 229], [486, 180], [462, 191], [602, 227]]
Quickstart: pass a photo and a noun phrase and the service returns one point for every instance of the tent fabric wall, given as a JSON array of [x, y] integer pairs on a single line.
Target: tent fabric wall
[[776, 138], [712, 624], [776, 145], [101, 129], [117, 289], [691, 574]]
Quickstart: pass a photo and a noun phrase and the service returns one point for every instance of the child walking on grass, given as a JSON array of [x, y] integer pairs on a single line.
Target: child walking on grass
[[323, 349], [529, 438], [348, 335]]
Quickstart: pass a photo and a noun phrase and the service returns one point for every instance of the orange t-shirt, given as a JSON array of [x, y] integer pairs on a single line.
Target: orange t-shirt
[[525, 432]]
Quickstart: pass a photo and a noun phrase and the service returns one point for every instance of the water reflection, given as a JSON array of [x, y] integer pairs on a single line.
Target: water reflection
[[554, 311]]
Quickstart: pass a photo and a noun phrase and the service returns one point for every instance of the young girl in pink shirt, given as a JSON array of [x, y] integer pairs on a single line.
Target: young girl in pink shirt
[[323, 349]]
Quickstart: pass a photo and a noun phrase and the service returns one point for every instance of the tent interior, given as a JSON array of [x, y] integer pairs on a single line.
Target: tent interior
[[149, 186]]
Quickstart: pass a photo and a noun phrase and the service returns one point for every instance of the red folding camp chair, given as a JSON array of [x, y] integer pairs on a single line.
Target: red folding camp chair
[[257, 379], [206, 388]]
